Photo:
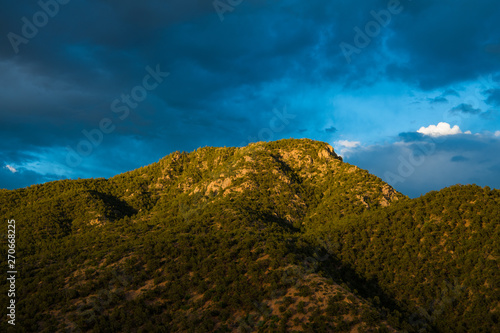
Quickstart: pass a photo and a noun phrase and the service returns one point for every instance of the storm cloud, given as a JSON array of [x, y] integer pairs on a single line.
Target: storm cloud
[[76, 99]]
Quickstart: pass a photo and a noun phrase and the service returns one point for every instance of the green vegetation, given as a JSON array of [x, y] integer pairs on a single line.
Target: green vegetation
[[436, 256], [273, 237]]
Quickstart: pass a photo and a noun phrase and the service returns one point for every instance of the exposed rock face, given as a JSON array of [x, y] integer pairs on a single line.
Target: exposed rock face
[[275, 236], [278, 169]]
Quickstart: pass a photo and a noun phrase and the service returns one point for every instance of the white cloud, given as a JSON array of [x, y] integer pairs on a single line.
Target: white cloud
[[497, 133], [421, 166], [11, 168], [347, 143], [441, 129], [343, 147]]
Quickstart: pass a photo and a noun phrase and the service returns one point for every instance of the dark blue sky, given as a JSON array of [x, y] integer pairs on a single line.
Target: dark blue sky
[[409, 90]]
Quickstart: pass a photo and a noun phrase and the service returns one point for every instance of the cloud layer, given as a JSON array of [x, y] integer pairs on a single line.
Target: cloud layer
[[418, 63], [440, 129], [425, 163]]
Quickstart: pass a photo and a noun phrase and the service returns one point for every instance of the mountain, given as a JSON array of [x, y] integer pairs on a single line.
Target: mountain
[[279, 236]]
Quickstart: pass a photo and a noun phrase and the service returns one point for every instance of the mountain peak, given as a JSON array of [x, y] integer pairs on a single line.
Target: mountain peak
[[272, 235], [285, 168]]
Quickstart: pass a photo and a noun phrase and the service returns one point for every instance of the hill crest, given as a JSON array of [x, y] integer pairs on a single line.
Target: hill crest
[[275, 235]]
